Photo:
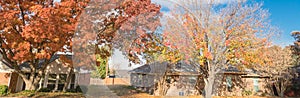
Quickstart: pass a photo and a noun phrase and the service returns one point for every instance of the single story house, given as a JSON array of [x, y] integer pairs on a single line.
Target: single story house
[[54, 79], [180, 78], [235, 82]]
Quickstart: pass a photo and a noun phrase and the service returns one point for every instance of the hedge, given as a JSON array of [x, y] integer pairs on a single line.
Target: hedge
[[3, 89]]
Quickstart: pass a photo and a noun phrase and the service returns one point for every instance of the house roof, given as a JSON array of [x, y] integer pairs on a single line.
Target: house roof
[[245, 73], [4, 68], [180, 68], [25, 66], [232, 70], [254, 76], [153, 68], [53, 58], [183, 68]]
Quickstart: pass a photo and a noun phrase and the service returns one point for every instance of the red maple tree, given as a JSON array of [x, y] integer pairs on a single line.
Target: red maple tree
[[33, 31]]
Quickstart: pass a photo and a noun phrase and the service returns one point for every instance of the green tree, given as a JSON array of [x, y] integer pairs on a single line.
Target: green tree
[[100, 70]]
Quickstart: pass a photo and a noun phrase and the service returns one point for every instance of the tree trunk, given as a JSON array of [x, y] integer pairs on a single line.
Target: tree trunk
[[198, 85], [161, 86], [283, 88], [281, 94], [32, 83], [160, 89], [69, 77], [29, 85], [209, 86]]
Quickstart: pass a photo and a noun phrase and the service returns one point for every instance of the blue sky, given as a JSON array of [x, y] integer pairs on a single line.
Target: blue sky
[[285, 14]]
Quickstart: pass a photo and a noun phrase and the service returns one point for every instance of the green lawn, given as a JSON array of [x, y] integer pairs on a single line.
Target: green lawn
[[33, 94]]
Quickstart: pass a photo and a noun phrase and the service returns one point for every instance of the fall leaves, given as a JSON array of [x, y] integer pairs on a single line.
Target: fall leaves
[[37, 29], [227, 34], [124, 24]]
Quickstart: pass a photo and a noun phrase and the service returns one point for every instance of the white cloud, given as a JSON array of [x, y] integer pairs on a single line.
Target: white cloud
[[119, 61]]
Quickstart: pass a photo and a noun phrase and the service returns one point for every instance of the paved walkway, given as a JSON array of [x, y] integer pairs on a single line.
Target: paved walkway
[[98, 91]]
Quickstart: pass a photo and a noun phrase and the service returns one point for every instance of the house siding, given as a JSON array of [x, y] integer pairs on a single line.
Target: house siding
[[142, 80], [261, 84], [4, 78], [9, 79]]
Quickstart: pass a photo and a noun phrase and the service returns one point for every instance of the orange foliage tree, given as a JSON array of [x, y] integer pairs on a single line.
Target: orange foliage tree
[[32, 31], [296, 47], [127, 25], [278, 64], [218, 36]]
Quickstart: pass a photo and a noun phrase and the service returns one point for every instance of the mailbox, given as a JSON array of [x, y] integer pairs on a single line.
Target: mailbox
[[111, 76]]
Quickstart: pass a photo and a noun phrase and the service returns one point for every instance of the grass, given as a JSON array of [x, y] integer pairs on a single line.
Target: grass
[[34, 94], [122, 90], [126, 91]]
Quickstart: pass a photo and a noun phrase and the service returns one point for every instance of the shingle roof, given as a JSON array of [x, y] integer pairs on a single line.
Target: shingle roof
[[25, 65], [153, 68], [180, 68]]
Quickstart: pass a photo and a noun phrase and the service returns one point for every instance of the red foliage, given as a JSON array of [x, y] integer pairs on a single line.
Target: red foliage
[[35, 29]]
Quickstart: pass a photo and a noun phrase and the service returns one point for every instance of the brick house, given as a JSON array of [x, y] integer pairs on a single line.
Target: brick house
[[54, 79], [236, 83], [229, 81], [180, 78]]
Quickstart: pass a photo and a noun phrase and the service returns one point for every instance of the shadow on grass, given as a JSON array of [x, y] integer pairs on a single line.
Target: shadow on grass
[[97, 91], [122, 90], [32, 94], [58, 95], [25, 93]]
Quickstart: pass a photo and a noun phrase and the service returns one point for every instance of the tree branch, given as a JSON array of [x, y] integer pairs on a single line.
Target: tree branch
[[22, 13]]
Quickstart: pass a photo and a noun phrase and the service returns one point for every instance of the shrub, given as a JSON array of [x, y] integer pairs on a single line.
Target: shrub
[[3, 89], [246, 93], [72, 90], [44, 90], [78, 89]]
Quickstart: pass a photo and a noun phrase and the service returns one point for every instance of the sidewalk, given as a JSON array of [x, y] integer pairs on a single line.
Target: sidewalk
[[98, 91]]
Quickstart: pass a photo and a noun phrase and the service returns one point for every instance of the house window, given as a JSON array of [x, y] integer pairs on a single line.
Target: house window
[[145, 80], [140, 78], [72, 84], [229, 83], [62, 78], [192, 79], [51, 81], [61, 81], [256, 84]]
